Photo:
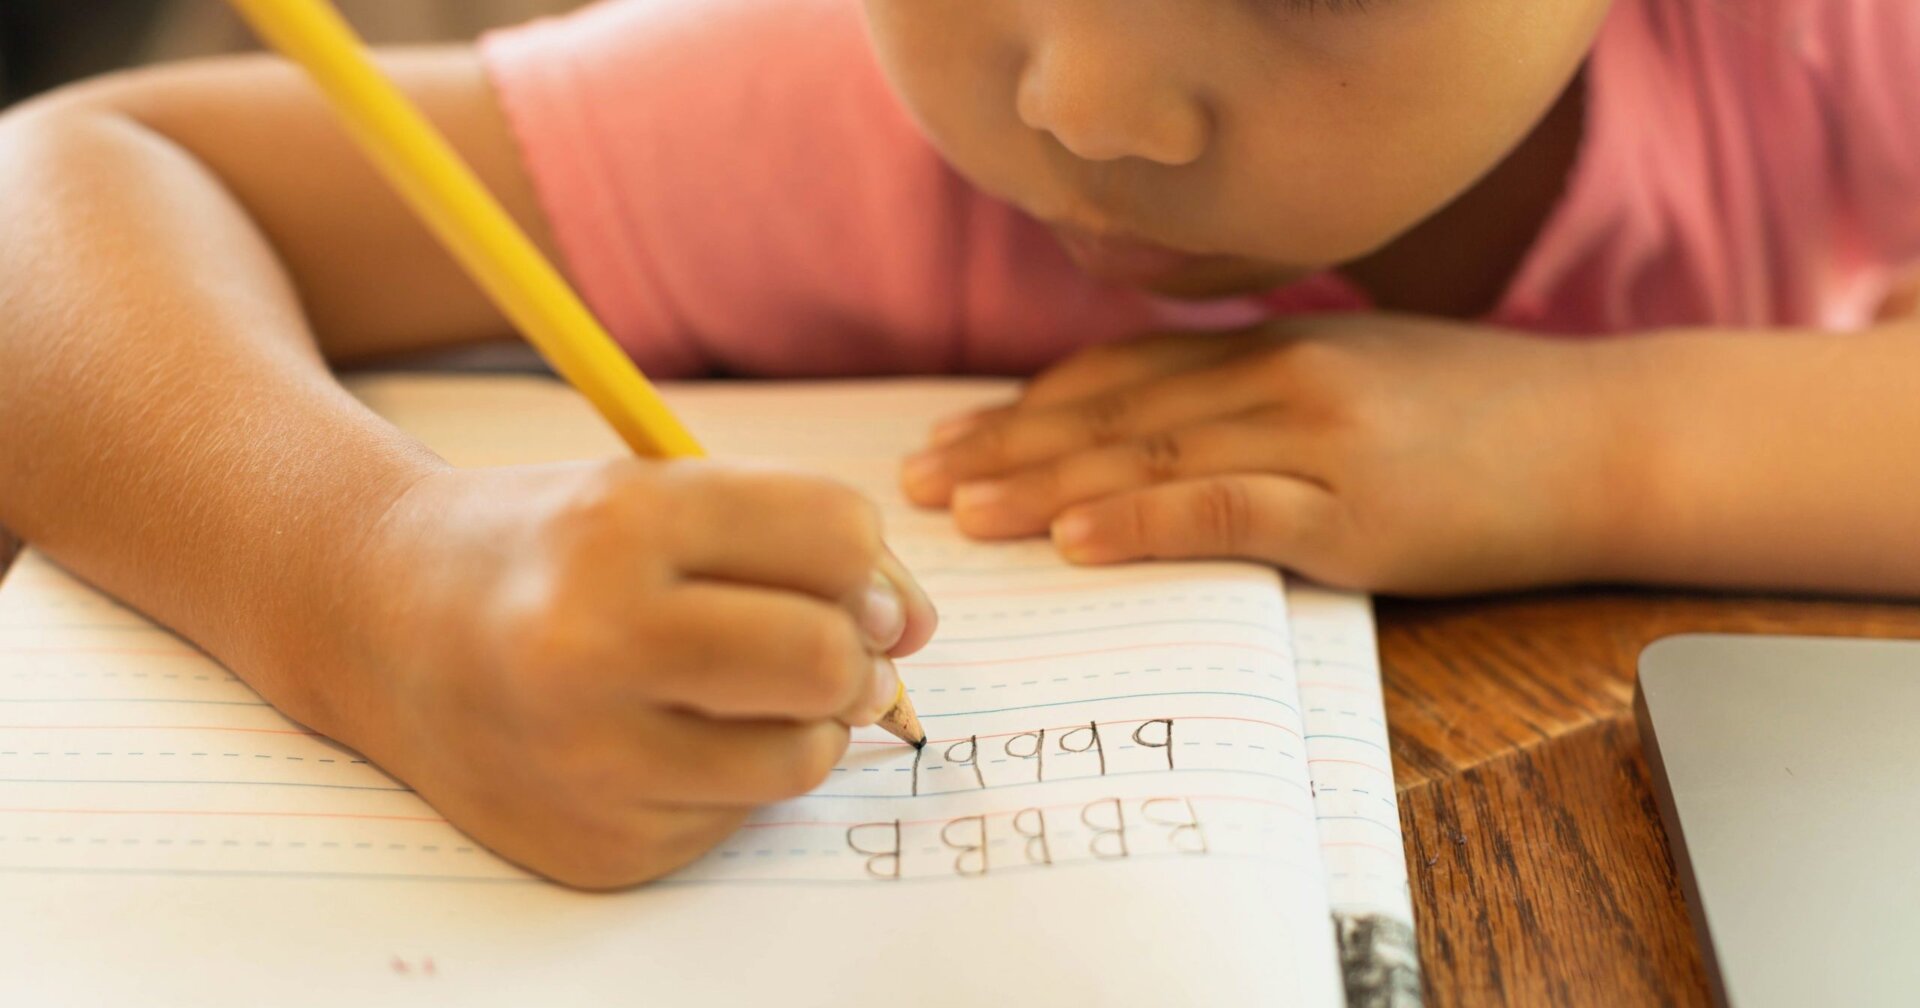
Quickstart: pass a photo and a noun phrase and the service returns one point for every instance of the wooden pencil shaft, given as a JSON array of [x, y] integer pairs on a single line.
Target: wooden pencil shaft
[[419, 162]]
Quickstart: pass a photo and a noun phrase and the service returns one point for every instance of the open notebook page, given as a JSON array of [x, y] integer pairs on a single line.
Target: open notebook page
[[1116, 809], [1353, 793]]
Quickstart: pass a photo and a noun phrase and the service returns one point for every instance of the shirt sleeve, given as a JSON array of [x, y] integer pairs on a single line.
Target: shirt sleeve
[[734, 189], [1870, 62]]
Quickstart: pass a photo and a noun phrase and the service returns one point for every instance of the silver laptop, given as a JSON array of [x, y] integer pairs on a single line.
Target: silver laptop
[[1788, 774]]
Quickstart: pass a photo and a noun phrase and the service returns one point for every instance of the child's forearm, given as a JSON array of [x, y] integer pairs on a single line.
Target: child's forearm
[[172, 432], [1788, 460]]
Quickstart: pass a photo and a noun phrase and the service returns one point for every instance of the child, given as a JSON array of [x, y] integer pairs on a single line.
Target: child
[[1315, 242]]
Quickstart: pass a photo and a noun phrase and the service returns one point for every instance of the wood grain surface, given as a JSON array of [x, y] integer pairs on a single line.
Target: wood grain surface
[[1541, 874]]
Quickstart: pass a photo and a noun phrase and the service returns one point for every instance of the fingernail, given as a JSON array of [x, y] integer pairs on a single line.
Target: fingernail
[[953, 429], [1073, 536], [912, 596], [886, 687], [979, 496], [884, 618], [923, 471]]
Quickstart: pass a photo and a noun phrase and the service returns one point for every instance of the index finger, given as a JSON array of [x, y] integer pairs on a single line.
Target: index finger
[[1113, 366], [1029, 436], [1096, 371], [773, 528]]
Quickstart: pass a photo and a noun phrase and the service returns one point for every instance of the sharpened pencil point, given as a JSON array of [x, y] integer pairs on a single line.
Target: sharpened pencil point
[[902, 723]]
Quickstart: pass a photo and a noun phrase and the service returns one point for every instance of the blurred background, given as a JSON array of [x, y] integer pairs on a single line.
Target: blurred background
[[45, 43]]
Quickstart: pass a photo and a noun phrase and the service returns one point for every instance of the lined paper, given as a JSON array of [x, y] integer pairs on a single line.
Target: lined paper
[[1124, 759], [1355, 800]]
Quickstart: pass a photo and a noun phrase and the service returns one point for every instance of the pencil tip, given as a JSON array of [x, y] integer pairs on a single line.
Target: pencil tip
[[922, 744]]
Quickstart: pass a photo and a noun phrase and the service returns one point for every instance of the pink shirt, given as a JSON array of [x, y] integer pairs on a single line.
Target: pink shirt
[[736, 189]]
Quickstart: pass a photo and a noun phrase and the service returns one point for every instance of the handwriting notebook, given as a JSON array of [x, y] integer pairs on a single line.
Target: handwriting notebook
[[1152, 784]]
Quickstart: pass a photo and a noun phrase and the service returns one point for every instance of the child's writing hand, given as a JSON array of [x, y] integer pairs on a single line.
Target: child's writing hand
[[600, 669], [1386, 452]]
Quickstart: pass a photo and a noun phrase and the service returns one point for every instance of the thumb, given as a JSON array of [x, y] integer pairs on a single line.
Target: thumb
[[920, 618]]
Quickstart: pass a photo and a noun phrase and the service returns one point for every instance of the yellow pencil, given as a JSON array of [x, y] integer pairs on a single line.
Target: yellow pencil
[[419, 162]]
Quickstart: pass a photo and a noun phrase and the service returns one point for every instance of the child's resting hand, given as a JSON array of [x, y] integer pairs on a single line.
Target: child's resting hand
[[600, 669], [1376, 451]]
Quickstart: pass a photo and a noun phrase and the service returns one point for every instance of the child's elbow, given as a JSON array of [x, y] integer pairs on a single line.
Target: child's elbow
[[161, 100], [49, 130]]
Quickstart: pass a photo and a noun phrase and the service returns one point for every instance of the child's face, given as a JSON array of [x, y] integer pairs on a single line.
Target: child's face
[[1264, 138]]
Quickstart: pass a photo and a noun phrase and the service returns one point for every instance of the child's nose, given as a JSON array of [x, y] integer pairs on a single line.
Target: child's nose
[[1108, 104]]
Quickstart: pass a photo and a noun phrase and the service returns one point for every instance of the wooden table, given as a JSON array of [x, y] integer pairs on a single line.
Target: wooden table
[[1540, 868]]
